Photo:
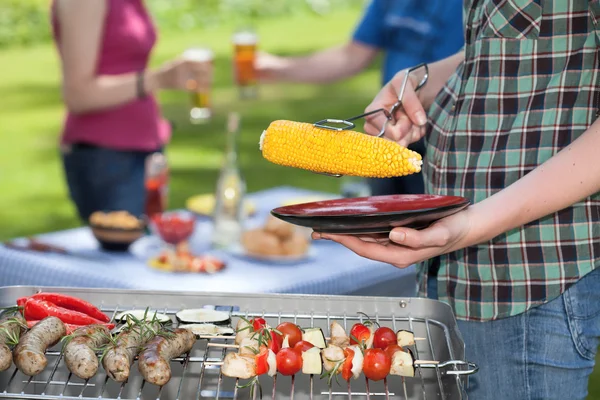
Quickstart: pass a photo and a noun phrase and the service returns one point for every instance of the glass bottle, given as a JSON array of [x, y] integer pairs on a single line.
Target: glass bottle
[[157, 184], [228, 216]]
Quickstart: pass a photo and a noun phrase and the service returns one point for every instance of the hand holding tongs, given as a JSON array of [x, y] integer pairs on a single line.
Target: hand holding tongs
[[348, 124]]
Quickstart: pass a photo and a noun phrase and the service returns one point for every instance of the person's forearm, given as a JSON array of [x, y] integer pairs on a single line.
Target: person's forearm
[[439, 73], [568, 177], [327, 66], [107, 91]]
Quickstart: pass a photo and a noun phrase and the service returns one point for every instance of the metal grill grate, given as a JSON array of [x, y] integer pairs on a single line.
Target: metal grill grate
[[195, 379]]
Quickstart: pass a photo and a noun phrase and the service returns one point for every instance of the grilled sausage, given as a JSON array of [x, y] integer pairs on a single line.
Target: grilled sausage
[[154, 358], [29, 354], [117, 360], [10, 327], [80, 352]]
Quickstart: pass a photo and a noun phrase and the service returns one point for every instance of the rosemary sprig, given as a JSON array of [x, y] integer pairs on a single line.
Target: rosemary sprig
[[11, 338], [252, 384], [9, 310], [111, 344], [369, 321], [333, 372]]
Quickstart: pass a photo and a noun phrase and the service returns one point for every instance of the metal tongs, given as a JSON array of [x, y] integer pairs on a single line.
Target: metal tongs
[[389, 115]]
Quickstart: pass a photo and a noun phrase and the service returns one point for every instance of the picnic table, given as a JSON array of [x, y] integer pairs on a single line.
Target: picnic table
[[332, 269]]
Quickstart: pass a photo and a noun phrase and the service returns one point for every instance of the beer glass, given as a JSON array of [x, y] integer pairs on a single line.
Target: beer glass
[[245, 46], [200, 111]]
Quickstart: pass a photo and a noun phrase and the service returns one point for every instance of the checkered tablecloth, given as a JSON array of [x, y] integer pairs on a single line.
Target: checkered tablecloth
[[331, 269]]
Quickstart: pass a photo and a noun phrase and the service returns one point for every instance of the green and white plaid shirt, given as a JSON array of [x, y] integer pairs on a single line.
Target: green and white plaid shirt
[[529, 86]]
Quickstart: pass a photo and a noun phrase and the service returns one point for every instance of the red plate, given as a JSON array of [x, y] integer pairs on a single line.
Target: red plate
[[376, 214]]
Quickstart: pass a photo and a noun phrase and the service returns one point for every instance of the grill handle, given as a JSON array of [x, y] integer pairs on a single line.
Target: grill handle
[[469, 368]]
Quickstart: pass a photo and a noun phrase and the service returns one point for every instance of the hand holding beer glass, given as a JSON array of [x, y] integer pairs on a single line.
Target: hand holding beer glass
[[245, 45], [200, 86]]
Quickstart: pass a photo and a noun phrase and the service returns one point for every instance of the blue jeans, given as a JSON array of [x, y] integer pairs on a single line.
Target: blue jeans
[[545, 353], [101, 179]]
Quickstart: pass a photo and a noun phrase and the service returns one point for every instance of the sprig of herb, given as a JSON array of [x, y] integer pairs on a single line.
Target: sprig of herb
[[333, 372], [252, 384]]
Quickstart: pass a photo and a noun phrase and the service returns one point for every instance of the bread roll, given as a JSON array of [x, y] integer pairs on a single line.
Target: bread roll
[[281, 229], [260, 243], [296, 245]]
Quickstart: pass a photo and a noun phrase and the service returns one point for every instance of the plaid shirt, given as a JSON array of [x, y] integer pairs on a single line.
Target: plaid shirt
[[529, 86]]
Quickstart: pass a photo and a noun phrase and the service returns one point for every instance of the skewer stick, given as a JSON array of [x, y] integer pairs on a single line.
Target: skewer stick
[[223, 345], [231, 337], [419, 362], [415, 362]]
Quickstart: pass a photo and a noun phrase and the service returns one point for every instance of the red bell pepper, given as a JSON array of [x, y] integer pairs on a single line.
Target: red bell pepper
[[70, 327], [262, 366], [347, 364], [39, 309], [72, 303], [258, 323]]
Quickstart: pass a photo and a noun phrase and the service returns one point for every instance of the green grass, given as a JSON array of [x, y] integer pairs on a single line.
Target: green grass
[[34, 197]]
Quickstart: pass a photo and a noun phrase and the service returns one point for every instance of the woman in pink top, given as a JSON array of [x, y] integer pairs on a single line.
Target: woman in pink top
[[113, 120]]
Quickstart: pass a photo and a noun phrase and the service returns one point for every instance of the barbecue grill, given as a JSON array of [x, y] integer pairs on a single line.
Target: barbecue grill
[[197, 375]]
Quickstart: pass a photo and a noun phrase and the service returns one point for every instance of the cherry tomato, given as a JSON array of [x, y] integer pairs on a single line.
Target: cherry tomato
[[289, 361], [347, 365], [290, 330], [262, 366], [383, 337], [303, 345], [391, 349], [377, 364], [258, 323], [359, 334]]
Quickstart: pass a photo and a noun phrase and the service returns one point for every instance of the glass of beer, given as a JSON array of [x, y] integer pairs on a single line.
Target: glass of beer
[[200, 111], [245, 45]]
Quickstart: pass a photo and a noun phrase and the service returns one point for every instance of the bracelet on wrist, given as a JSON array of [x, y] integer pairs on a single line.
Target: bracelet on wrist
[[140, 89]]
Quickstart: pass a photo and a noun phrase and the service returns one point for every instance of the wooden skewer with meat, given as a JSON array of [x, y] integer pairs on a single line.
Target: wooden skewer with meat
[[29, 354]]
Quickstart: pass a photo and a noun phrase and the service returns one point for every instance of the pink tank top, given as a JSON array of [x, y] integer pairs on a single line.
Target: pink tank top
[[127, 40]]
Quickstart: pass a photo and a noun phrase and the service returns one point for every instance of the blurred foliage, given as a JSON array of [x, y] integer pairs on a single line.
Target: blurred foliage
[[23, 22]]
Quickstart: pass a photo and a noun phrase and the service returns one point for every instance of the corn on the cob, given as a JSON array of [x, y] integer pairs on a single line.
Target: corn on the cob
[[302, 145]]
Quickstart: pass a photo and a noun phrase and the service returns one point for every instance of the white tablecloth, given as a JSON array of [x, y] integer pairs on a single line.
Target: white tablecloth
[[332, 270]]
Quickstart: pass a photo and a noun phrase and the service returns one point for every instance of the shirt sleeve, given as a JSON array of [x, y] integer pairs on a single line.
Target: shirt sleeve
[[370, 29]]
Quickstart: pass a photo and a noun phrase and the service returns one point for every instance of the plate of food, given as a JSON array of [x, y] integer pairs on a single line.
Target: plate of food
[[183, 260], [276, 241], [371, 215]]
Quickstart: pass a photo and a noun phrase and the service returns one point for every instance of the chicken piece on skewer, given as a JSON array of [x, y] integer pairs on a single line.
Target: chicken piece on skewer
[[239, 366], [332, 355], [338, 335], [243, 330], [249, 346]]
